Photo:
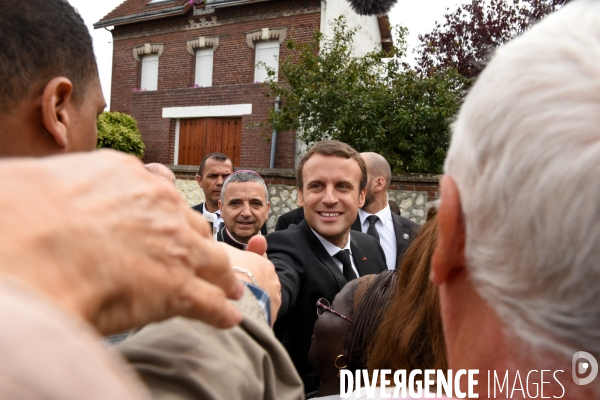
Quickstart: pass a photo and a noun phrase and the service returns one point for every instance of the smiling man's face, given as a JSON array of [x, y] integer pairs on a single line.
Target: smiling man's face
[[331, 196], [245, 209]]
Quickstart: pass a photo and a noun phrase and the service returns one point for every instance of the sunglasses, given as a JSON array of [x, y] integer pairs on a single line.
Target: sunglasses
[[323, 306]]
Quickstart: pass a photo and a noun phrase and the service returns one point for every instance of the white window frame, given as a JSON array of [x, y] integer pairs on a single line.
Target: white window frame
[[265, 52], [204, 67], [149, 75]]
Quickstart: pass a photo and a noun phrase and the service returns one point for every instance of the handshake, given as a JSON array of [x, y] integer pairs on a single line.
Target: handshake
[[117, 246]]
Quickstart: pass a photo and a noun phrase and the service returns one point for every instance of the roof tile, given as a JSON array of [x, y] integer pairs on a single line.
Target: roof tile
[[140, 7]]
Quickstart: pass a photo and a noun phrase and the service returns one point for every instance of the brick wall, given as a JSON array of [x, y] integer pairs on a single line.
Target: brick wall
[[233, 73]]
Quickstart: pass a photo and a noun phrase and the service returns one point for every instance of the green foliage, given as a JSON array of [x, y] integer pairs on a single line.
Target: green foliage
[[119, 131], [374, 103]]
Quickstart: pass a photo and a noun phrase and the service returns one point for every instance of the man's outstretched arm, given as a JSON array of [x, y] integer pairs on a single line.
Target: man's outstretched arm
[[112, 243]]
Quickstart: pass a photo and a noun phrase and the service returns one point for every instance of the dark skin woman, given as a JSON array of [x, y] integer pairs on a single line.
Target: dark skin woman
[[345, 328]]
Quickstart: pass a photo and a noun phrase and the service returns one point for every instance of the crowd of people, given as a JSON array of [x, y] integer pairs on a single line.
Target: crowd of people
[[503, 277]]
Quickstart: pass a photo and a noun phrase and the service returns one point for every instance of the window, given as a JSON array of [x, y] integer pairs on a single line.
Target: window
[[267, 53], [204, 67], [149, 72]]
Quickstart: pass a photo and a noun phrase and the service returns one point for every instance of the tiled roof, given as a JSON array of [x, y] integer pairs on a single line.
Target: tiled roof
[[139, 10]]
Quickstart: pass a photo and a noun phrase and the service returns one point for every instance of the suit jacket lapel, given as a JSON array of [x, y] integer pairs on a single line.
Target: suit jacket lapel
[[401, 232], [322, 254], [358, 255]]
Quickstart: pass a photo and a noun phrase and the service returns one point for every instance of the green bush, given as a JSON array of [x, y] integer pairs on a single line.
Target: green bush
[[119, 131]]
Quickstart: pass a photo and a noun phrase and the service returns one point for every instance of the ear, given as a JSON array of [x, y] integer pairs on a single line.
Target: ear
[[300, 200], [220, 205], [449, 254], [378, 184], [199, 179], [57, 101], [268, 207], [361, 197]]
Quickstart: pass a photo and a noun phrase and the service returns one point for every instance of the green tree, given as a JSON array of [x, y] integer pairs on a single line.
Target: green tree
[[374, 103], [119, 131]]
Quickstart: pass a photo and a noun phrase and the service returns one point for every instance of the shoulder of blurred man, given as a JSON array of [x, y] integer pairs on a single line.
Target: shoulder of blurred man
[[187, 359]]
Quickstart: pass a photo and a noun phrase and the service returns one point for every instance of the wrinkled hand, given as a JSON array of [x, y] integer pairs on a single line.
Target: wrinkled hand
[[254, 259], [111, 242]]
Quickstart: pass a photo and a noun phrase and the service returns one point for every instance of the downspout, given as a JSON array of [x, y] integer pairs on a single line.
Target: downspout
[[274, 137]]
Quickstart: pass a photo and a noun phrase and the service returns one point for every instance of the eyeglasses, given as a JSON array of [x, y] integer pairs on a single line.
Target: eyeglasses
[[324, 306]]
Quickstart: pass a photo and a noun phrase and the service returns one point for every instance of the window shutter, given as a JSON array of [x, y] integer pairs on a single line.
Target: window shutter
[[267, 52], [150, 72], [204, 67]]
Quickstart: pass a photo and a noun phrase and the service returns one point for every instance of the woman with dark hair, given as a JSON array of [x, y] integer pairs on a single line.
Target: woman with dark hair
[[345, 328], [411, 334]]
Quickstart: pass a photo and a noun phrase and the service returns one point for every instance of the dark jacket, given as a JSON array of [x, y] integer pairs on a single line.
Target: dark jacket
[[405, 230], [307, 272]]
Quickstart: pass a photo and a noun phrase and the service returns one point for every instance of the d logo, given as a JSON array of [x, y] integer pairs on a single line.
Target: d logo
[[582, 367]]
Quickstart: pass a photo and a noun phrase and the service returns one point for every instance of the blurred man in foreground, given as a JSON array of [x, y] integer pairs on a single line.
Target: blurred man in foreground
[[518, 261], [112, 245]]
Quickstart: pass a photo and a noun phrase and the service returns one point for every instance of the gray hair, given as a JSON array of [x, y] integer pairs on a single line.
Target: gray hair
[[525, 154], [243, 176]]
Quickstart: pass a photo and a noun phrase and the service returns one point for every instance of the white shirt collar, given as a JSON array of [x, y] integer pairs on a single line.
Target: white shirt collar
[[331, 248], [205, 211], [385, 215]]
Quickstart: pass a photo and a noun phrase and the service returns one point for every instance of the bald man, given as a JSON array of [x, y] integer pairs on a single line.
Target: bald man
[[162, 171], [393, 232]]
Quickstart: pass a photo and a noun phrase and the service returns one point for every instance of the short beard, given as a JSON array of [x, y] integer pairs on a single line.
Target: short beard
[[369, 197]]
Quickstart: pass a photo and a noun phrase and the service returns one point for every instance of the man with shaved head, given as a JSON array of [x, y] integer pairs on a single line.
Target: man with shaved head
[[375, 218], [162, 171]]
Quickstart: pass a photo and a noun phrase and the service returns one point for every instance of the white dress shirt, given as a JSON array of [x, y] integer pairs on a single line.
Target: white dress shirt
[[332, 249], [387, 234], [215, 218]]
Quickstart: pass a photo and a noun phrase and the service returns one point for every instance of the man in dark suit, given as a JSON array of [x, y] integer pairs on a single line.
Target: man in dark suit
[[319, 256], [392, 231], [214, 169]]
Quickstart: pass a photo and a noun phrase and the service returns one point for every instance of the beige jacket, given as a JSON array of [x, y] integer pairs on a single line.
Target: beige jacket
[[48, 354], [186, 359]]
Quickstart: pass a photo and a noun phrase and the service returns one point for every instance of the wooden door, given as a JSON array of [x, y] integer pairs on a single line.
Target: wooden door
[[201, 136]]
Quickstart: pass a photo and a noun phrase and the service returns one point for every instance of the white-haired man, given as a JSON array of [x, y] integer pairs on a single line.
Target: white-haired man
[[244, 206], [517, 261]]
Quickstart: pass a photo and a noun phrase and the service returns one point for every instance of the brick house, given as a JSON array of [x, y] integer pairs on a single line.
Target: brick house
[[188, 73]]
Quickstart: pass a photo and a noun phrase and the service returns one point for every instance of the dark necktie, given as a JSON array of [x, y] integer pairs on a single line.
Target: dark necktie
[[344, 257], [372, 231]]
